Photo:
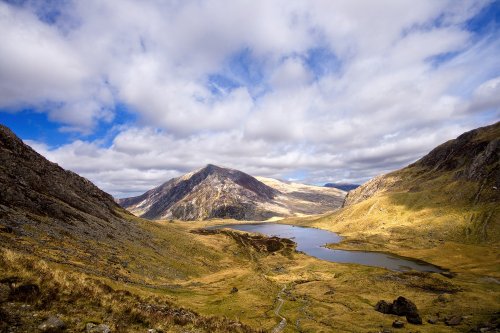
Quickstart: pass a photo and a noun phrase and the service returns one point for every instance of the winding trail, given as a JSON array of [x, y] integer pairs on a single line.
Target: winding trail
[[281, 326]]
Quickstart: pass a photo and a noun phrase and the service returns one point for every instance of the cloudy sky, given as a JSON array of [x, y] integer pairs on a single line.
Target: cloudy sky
[[131, 93]]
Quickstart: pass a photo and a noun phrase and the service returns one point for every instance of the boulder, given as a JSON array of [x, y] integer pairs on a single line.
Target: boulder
[[453, 321], [384, 307], [433, 320], [94, 328], [52, 325], [398, 324], [414, 319], [403, 307], [234, 290], [25, 293]]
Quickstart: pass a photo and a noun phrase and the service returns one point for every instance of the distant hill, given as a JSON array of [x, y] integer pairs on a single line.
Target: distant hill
[[216, 192], [451, 193], [342, 186]]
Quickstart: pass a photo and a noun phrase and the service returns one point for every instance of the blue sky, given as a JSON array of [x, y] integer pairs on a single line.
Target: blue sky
[[131, 93]]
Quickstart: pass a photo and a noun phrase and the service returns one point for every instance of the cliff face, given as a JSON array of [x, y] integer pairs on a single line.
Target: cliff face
[[215, 192], [473, 157], [39, 193]]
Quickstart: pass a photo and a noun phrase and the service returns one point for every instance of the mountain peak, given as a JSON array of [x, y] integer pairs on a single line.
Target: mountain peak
[[217, 192], [212, 168]]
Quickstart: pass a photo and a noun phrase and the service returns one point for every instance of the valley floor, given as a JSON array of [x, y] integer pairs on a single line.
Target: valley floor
[[228, 286]]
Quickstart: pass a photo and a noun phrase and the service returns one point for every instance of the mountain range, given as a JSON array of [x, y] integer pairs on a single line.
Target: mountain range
[[69, 253], [217, 192], [342, 186]]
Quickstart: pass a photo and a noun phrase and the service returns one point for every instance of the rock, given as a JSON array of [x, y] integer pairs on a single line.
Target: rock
[[453, 321], [384, 307], [25, 293], [4, 293], [401, 307], [52, 325], [398, 324], [414, 319], [93, 328], [433, 320], [234, 290], [152, 330], [385, 330], [404, 307]]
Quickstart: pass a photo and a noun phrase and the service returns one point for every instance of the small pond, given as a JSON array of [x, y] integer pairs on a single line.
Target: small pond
[[312, 241]]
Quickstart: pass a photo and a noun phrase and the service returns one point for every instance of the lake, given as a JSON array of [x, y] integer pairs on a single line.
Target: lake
[[312, 241]]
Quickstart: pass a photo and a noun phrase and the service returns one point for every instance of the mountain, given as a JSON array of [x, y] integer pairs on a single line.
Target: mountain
[[69, 252], [452, 193], [40, 195], [471, 161], [342, 186], [302, 199], [216, 192]]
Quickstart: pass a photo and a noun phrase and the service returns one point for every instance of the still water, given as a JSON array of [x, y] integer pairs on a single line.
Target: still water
[[312, 241]]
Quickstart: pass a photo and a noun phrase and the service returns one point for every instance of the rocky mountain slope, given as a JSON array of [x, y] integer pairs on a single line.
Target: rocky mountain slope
[[40, 196], [451, 193], [473, 158], [215, 192]]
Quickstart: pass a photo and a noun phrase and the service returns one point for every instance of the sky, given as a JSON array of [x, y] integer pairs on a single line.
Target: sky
[[132, 93]]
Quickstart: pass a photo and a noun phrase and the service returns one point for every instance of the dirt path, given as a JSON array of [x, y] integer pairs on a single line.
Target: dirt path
[[281, 326]]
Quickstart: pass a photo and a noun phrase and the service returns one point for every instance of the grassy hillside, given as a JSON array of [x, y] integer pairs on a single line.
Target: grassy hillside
[[186, 285], [451, 194]]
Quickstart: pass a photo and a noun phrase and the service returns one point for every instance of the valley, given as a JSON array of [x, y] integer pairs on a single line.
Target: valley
[[213, 166], [97, 264]]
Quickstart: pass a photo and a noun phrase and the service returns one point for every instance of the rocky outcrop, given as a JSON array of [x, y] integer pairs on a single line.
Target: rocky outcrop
[[215, 192], [259, 243]]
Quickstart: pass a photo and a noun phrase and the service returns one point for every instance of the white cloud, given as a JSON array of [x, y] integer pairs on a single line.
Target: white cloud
[[408, 76]]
